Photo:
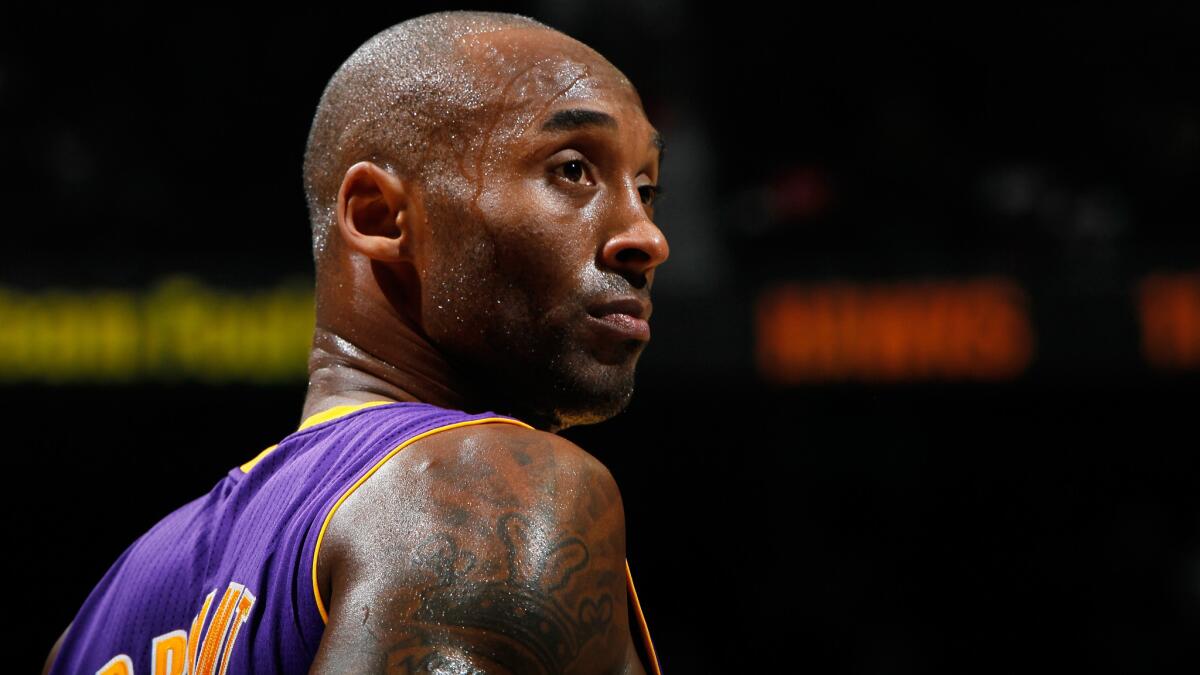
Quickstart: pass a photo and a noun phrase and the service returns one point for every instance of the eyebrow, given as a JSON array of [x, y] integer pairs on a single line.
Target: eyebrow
[[578, 118]]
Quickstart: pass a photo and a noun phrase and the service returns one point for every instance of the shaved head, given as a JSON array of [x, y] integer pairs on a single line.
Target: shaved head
[[481, 194], [402, 100]]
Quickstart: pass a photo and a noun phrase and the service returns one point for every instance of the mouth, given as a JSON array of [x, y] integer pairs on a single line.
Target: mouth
[[624, 318]]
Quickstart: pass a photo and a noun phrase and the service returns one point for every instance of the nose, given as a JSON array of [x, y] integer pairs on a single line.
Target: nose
[[638, 247]]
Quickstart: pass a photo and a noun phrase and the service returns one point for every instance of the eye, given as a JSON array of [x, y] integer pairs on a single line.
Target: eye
[[650, 193], [574, 170]]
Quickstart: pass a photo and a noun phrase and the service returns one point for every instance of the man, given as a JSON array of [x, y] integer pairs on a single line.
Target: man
[[481, 191]]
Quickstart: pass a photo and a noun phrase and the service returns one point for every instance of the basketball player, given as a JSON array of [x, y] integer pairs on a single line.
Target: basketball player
[[481, 191]]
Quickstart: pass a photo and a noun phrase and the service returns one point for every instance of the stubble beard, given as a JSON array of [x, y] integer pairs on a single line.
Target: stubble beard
[[590, 393], [529, 361], [545, 375]]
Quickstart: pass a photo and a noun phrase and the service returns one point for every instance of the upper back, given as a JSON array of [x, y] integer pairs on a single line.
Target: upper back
[[227, 582], [485, 549]]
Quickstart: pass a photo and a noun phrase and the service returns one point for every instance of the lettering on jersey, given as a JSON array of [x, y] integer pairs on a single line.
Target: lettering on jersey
[[214, 637], [243, 612], [167, 653], [194, 633], [222, 631], [203, 650], [118, 665]]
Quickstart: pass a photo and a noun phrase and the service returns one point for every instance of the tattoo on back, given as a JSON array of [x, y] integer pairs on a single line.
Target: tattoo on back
[[535, 615]]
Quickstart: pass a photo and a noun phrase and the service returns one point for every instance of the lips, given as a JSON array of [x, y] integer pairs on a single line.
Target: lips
[[624, 318]]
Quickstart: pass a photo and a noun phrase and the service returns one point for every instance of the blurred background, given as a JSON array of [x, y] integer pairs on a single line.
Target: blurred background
[[922, 391]]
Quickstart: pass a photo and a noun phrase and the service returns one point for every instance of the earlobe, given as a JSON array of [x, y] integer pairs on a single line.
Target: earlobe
[[373, 213]]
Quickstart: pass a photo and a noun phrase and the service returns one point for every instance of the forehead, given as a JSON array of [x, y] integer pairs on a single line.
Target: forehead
[[528, 72]]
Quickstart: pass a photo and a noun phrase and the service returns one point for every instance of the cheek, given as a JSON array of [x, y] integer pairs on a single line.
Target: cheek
[[509, 266], [545, 233], [479, 285], [453, 287], [455, 270], [534, 289]]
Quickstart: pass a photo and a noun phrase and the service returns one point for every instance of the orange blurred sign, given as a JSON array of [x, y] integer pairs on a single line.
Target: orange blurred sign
[[1169, 311], [973, 329]]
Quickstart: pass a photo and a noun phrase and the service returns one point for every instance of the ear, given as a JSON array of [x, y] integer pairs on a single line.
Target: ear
[[375, 213]]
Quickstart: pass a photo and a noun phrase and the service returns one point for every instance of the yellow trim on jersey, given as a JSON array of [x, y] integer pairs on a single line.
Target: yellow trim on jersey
[[637, 610], [312, 421], [338, 411], [258, 458], [368, 474]]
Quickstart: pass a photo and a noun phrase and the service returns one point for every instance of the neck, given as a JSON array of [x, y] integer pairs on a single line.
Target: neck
[[365, 349], [342, 372]]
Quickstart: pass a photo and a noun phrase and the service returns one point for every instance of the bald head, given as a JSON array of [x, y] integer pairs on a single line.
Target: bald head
[[401, 100], [481, 192]]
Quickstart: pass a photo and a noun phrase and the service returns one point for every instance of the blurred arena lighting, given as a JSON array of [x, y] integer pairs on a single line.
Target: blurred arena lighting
[[183, 330], [976, 329], [1169, 312], [179, 329]]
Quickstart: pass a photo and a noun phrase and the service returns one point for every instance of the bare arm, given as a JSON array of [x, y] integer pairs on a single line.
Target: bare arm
[[488, 549]]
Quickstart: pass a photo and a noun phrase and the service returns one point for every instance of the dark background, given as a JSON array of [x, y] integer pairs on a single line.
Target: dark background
[[1043, 521]]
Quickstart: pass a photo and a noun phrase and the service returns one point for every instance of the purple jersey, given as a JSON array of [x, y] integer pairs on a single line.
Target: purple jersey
[[227, 583]]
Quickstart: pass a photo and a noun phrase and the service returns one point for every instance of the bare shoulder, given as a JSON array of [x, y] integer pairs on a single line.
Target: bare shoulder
[[527, 457], [480, 471], [488, 548]]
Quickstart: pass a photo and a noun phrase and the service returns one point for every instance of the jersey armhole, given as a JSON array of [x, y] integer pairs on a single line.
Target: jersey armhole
[[370, 472], [647, 643]]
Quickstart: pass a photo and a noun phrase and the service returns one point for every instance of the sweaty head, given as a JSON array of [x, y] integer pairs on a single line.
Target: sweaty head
[[534, 252], [398, 101]]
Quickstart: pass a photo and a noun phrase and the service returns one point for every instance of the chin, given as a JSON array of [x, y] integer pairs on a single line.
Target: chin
[[575, 418], [578, 385], [592, 400]]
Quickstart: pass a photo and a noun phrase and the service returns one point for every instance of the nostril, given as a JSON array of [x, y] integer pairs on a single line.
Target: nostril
[[629, 255]]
